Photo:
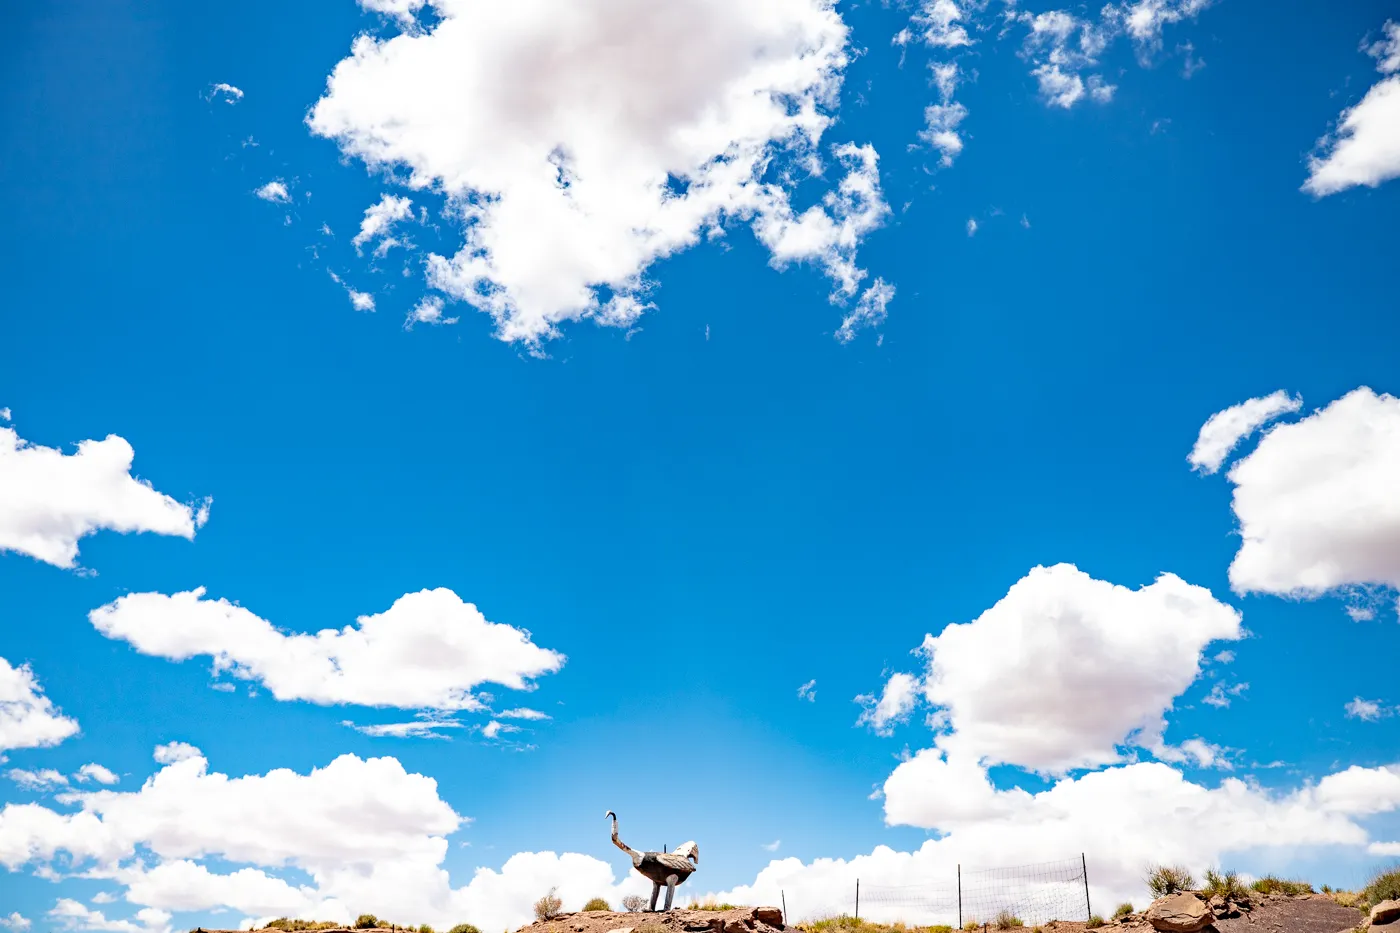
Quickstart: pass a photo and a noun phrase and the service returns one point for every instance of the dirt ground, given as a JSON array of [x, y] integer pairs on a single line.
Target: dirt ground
[[738, 920], [1310, 913]]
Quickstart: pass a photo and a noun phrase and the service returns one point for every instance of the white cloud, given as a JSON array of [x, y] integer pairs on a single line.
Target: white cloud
[[274, 191], [971, 226], [225, 92], [1221, 695], [1386, 50], [28, 719], [68, 914], [172, 752], [380, 218], [1065, 668], [1224, 430], [16, 922], [1364, 149], [941, 120], [868, 312], [808, 691], [427, 651], [402, 10], [1145, 20], [426, 727], [1125, 817], [1058, 87], [895, 703], [772, 846], [1367, 710], [428, 311], [1100, 91], [360, 301], [49, 500], [96, 772], [565, 197], [1315, 501], [494, 729], [522, 713], [45, 779], [941, 23], [365, 834]]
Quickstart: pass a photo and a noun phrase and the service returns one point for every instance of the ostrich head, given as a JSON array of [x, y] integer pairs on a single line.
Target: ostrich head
[[689, 850]]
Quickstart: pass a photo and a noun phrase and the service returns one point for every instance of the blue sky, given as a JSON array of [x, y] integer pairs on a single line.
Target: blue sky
[[724, 496]]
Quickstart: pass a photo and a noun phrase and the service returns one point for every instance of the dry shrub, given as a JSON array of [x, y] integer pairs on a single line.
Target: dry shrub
[[1169, 879], [1125, 909], [597, 903], [633, 903], [549, 906], [1224, 884], [1384, 886]]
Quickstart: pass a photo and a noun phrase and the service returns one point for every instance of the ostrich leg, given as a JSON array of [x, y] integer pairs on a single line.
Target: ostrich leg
[[671, 882], [655, 893]]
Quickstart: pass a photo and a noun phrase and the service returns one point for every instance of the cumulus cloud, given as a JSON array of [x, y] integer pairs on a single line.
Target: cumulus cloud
[[1220, 695], [1065, 668], [1145, 20], [1055, 676], [941, 120], [1315, 501], [1364, 149], [46, 779], [28, 719], [274, 191], [96, 772], [68, 914], [869, 312], [225, 92], [1224, 430], [428, 311], [49, 500], [1366, 710], [564, 197], [427, 651], [808, 691], [896, 701], [1125, 816], [364, 835], [379, 221], [16, 922]]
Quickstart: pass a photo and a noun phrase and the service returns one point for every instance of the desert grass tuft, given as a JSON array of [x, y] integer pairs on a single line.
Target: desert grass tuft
[[1224, 884], [1169, 879], [1124, 909], [1272, 884]]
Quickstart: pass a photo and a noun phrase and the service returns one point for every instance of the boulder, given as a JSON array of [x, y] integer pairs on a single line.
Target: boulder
[[769, 915], [1385, 912], [1179, 913]]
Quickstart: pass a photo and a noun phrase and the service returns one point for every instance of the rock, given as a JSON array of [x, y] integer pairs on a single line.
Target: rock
[[1179, 913], [1385, 912], [621, 930], [769, 915]]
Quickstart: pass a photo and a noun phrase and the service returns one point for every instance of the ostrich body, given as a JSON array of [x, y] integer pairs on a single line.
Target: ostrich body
[[668, 868]]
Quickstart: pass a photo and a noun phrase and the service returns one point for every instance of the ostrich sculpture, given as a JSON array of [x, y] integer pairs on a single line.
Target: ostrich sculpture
[[668, 868]]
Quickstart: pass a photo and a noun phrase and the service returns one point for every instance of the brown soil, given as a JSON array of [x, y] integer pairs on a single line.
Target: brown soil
[[738, 920], [1308, 913]]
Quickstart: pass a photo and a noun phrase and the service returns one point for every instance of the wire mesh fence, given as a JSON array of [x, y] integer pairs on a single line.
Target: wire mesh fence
[[1031, 894]]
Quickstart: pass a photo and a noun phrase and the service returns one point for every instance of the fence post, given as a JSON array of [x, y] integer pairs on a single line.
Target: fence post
[[960, 896], [857, 898], [1088, 910], [783, 894]]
